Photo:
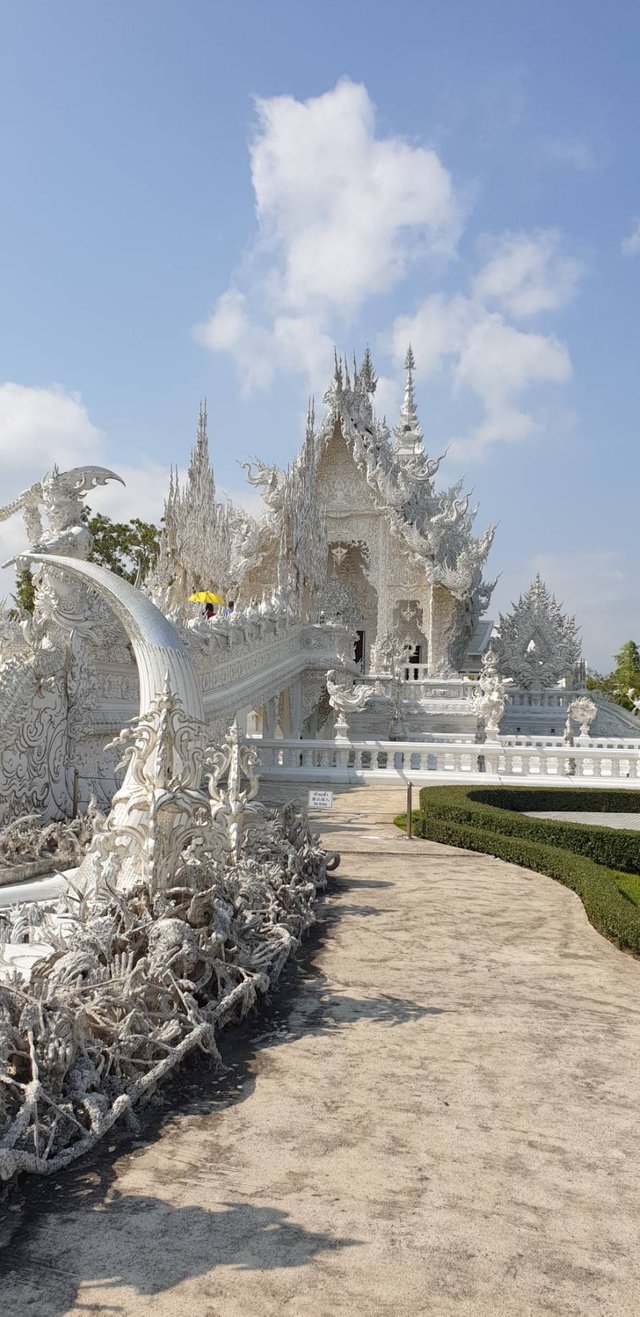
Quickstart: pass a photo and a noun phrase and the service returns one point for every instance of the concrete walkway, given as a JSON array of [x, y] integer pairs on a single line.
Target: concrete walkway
[[440, 1116]]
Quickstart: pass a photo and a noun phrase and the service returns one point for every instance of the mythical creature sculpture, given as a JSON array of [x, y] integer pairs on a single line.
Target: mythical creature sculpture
[[345, 697], [43, 692], [491, 699], [60, 495], [582, 710], [270, 479]]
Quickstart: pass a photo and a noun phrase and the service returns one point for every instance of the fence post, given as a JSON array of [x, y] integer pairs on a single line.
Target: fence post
[[74, 807], [409, 810]]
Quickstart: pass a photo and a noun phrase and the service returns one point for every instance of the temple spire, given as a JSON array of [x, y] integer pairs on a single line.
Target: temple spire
[[408, 433], [202, 420], [367, 373], [311, 420]]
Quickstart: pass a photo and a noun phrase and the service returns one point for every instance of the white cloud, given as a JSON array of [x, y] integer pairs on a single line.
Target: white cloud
[[43, 426], [631, 244], [342, 213], [40, 427], [499, 360], [569, 152], [527, 273], [480, 352], [437, 331]]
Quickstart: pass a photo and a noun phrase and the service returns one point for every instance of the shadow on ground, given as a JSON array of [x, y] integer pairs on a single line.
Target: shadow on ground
[[150, 1247], [45, 1282]]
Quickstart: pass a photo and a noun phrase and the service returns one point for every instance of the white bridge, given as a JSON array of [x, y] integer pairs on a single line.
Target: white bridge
[[269, 671]]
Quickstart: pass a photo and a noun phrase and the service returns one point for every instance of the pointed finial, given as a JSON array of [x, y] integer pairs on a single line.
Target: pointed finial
[[202, 419], [367, 373], [311, 418], [408, 432]]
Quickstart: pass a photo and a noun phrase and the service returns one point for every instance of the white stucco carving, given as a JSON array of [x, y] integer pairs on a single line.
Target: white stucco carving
[[490, 700], [355, 546], [180, 914], [582, 710], [537, 643], [345, 698]]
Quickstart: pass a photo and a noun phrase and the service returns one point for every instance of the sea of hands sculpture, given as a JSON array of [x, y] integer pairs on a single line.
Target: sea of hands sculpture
[[345, 698], [178, 917], [132, 976]]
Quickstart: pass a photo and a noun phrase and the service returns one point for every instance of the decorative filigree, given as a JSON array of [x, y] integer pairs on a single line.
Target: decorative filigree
[[537, 643], [582, 710], [60, 495], [204, 544], [490, 700], [345, 697], [233, 785]]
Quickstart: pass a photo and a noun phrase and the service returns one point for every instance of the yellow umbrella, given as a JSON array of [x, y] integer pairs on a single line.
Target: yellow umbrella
[[205, 597]]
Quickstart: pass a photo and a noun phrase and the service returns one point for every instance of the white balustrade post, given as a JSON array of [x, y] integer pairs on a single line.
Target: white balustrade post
[[270, 718]]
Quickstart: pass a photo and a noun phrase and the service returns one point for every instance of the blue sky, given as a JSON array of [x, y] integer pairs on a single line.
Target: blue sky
[[199, 198]]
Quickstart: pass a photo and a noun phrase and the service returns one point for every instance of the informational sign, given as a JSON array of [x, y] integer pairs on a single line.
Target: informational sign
[[320, 800]]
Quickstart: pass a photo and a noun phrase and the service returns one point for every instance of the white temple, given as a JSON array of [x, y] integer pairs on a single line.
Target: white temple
[[359, 574], [399, 558]]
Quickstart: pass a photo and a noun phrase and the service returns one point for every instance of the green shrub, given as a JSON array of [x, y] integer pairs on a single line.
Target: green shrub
[[498, 810], [589, 860]]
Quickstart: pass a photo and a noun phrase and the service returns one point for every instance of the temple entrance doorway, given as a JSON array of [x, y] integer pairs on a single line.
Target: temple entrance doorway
[[359, 650], [414, 658], [351, 567]]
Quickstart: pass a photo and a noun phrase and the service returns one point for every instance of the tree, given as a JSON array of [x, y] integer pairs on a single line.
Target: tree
[[625, 676], [127, 548], [25, 593]]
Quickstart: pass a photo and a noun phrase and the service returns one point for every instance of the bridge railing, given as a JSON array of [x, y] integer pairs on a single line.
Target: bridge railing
[[391, 761]]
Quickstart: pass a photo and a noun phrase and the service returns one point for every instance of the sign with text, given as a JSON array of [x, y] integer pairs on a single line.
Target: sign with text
[[320, 800]]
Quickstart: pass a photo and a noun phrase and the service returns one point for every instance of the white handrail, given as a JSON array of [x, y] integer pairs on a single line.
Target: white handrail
[[610, 764]]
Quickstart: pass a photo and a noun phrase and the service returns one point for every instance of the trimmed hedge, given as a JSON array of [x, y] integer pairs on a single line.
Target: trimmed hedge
[[463, 816], [576, 800], [499, 810]]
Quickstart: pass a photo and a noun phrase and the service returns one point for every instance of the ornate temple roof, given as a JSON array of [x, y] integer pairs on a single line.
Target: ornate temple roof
[[437, 527], [434, 528]]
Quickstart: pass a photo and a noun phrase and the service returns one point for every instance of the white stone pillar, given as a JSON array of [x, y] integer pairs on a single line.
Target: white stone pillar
[[270, 718], [295, 707]]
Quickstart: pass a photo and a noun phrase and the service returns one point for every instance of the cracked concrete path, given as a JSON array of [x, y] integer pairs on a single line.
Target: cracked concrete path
[[439, 1116]]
